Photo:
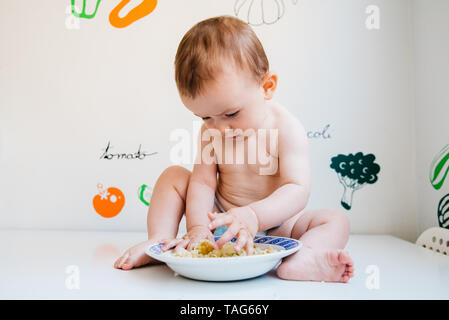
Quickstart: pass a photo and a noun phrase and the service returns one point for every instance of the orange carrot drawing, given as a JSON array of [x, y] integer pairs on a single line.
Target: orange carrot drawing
[[142, 10]]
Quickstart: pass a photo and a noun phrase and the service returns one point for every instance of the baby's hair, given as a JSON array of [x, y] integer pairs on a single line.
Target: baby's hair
[[209, 44]]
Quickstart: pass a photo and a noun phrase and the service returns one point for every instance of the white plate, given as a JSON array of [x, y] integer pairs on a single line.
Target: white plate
[[229, 268]]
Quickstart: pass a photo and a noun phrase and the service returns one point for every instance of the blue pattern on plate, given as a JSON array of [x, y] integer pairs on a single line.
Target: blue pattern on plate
[[286, 243], [283, 242], [218, 237], [263, 239], [290, 246], [277, 240], [156, 249]]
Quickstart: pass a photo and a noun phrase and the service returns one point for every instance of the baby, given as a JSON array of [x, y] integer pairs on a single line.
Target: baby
[[223, 77]]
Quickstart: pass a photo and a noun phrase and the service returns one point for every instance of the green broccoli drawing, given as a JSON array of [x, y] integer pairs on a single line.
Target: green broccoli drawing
[[354, 172]]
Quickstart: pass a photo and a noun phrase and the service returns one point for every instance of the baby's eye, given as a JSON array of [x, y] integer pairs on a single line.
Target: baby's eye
[[231, 115], [206, 118]]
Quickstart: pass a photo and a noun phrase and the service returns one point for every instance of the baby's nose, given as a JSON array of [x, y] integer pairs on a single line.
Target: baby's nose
[[223, 128]]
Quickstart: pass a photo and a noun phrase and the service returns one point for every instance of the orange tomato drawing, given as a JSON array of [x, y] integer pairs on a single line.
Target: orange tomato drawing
[[108, 203], [142, 10]]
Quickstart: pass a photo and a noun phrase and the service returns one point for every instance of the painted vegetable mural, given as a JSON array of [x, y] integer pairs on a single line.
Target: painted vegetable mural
[[108, 202], [439, 168], [145, 192], [354, 171], [116, 19], [443, 212], [259, 12], [140, 11], [83, 13]]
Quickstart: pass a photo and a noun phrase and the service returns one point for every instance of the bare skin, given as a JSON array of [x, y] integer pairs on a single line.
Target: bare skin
[[169, 196], [257, 195]]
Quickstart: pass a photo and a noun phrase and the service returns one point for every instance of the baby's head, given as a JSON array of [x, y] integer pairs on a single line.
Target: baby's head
[[222, 74]]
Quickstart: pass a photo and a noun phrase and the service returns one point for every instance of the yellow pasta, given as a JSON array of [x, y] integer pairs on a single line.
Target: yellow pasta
[[205, 249]]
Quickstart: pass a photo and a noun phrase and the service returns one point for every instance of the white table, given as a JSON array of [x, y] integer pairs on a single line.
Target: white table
[[36, 265]]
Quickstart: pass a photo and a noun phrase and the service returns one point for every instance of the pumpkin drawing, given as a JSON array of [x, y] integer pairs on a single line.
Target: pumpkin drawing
[[259, 12]]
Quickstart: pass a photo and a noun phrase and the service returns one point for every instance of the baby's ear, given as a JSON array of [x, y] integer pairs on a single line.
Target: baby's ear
[[269, 84]]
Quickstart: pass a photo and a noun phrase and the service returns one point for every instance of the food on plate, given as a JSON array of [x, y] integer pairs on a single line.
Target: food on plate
[[205, 249]]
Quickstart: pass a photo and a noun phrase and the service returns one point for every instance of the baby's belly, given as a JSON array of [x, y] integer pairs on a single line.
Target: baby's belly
[[236, 189]]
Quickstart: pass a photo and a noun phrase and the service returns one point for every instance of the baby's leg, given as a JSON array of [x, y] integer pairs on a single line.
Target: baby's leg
[[165, 211], [324, 233]]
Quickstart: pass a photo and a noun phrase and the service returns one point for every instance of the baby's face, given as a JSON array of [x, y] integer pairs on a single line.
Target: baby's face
[[233, 101]]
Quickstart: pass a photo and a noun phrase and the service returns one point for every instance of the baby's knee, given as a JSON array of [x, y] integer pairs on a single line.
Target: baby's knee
[[340, 217], [176, 176], [175, 173]]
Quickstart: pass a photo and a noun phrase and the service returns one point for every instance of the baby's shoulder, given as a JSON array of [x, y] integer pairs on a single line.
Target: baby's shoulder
[[287, 123]]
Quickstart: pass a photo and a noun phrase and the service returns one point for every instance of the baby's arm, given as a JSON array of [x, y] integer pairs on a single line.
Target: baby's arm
[[294, 170], [199, 201], [201, 191]]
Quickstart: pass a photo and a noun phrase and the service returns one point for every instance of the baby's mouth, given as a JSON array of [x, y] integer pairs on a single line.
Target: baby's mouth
[[236, 136], [230, 134], [233, 136]]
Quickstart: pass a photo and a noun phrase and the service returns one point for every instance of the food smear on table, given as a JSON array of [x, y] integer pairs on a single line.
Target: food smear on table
[[205, 249]]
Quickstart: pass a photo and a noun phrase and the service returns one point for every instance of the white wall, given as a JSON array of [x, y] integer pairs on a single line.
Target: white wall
[[431, 39], [65, 93]]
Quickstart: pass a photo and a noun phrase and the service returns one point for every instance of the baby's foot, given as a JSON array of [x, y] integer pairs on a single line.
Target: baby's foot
[[135, 257], [333, 265]]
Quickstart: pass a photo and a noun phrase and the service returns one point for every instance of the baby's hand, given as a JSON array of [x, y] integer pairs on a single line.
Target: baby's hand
[[195, 235], [241, 222]]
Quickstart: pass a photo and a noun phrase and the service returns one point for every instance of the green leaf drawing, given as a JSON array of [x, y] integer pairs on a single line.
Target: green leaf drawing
[[83, 14], [145, 193], [439, 168]]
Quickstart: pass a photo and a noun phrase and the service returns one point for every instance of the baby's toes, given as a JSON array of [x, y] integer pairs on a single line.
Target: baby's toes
[[350, 271], [345, 278], [344, 258], [135, 260], [128, 264], [119, 262]]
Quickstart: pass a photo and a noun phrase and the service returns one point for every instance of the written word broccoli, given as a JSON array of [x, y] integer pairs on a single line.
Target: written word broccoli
[[354, 171]]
